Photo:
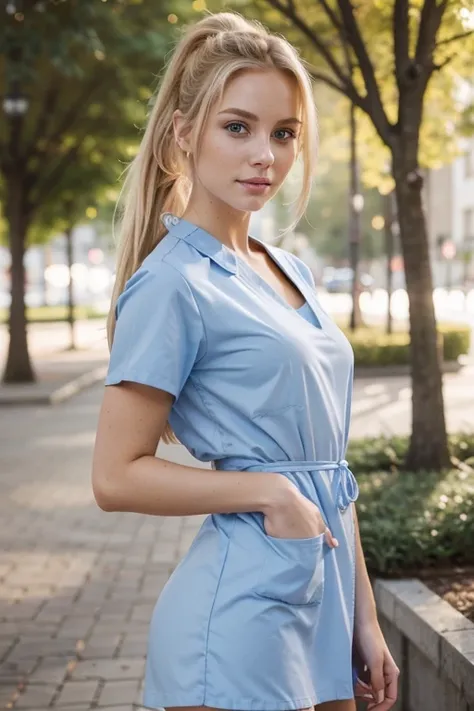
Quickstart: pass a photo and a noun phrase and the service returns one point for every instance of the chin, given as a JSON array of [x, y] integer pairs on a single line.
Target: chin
[[253, 204]]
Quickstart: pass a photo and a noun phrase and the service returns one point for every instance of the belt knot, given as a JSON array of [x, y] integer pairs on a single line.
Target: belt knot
[[348, 489]]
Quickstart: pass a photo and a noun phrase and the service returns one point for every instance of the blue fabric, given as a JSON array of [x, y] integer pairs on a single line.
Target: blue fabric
[[247, 621]]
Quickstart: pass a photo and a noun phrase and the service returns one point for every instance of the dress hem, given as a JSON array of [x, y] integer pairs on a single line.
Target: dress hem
[[158, 701]]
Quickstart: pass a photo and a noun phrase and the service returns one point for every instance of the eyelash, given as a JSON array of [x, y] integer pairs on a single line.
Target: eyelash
[[282, 140]]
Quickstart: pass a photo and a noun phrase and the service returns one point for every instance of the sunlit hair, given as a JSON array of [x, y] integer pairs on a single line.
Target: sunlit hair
[[158, 180]]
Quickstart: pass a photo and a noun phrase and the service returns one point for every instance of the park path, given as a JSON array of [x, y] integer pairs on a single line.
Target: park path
[[77, 585]]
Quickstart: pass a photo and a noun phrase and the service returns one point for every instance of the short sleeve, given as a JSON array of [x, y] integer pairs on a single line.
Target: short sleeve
[[159, 333]]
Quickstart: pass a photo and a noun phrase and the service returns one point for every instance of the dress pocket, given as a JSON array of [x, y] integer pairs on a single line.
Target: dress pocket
[[293, 570]]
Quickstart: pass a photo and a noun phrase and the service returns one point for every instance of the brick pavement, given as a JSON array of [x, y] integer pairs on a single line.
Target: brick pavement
[[77, 585]]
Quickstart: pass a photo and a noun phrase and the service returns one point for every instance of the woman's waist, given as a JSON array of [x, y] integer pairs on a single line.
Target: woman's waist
[[247, 463], [303, 473]]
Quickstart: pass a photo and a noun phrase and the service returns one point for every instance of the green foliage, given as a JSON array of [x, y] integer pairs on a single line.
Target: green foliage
[[372, 347], [456, 340], [89, 70], [410, 521], [388, 453]]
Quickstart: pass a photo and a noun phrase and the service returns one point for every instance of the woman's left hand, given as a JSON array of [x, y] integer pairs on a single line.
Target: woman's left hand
[[384, 673]]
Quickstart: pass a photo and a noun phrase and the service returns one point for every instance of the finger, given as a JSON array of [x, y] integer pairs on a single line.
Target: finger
[[363, 691], [377, 682], [330, 540], [390, 694], [391, 691]]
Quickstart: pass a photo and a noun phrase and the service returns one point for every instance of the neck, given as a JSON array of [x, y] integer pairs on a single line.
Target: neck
[[228, 225]]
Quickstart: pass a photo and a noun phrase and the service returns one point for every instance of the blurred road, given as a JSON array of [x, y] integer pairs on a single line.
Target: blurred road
[[449, 306]]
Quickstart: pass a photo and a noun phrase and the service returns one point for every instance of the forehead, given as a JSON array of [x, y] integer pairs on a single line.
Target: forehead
[[266, 93]]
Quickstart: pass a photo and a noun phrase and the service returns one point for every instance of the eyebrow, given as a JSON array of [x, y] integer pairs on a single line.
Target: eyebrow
[[253, 117]]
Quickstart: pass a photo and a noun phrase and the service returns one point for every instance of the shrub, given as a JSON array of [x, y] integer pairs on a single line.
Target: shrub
[[372, 347], [410, 521], [377, 454], [456, 340]]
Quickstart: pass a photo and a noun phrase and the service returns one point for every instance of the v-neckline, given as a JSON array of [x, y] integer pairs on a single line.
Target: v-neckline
[[242, 263], [215, 249]]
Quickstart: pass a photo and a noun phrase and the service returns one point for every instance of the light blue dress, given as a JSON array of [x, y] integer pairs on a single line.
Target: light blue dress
[[247, 621]]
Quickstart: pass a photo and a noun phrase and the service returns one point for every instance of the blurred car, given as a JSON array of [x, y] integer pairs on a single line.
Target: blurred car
[[339, 281]]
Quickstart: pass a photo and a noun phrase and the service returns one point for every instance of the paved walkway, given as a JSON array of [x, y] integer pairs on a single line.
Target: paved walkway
[[77, 585], [59, 371], [382, 406]]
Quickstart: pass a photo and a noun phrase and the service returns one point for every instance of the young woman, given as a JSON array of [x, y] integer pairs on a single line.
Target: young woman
[[221, 340]]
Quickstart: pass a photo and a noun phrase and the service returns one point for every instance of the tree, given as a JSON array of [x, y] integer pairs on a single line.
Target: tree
[[84, 71], [417, 43]]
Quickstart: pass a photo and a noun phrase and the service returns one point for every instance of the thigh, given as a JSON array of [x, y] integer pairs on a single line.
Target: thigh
[[346, 705]]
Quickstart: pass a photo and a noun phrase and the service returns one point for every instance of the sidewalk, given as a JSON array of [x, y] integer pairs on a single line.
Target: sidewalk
[[77, 585], [61, 373]]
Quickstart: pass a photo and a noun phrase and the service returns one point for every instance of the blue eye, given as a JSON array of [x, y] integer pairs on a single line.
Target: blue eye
[[289, 133], [235, 125]]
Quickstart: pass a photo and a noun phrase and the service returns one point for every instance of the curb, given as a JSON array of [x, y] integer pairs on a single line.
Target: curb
[[434, 644], [56, 396], [387, 371]]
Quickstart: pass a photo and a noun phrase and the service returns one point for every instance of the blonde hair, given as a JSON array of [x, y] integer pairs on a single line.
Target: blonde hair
[[205, 59]]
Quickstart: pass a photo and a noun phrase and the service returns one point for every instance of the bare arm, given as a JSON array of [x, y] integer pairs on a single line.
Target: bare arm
[[365, 607], [126, 475]]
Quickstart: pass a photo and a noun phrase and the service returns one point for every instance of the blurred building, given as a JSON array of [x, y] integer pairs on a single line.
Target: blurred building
[[449, 206]]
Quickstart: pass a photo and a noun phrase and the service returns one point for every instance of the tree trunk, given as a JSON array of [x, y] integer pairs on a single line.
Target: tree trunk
[[428, 445], [354, 223], [18, 367], [389, 219], [71, 319]]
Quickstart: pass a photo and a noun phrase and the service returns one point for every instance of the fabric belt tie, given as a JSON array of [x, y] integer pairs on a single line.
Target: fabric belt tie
[[347, 488]]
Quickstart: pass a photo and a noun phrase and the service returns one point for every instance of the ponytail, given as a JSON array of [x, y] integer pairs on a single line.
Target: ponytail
[[158, 181]]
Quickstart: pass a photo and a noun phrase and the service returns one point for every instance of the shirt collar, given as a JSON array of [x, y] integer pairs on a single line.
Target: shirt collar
[[201, 240]]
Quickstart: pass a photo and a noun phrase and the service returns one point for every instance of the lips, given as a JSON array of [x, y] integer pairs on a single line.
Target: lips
[[256, 181]]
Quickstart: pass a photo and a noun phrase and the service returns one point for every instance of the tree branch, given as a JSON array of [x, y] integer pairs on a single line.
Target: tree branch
[[346, 91], [335, 21], [374, 105], [454, 38], [320, 76], [401, 36], [430, 20], [289, 11], [441, 65]]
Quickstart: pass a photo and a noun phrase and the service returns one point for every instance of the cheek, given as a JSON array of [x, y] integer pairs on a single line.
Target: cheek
[[285, 159], [218, 155]]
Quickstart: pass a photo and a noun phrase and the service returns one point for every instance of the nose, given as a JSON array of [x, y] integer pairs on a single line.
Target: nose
[[262, 154]]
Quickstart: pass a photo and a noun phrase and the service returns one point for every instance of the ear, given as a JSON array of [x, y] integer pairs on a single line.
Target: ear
[[182, 131]]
